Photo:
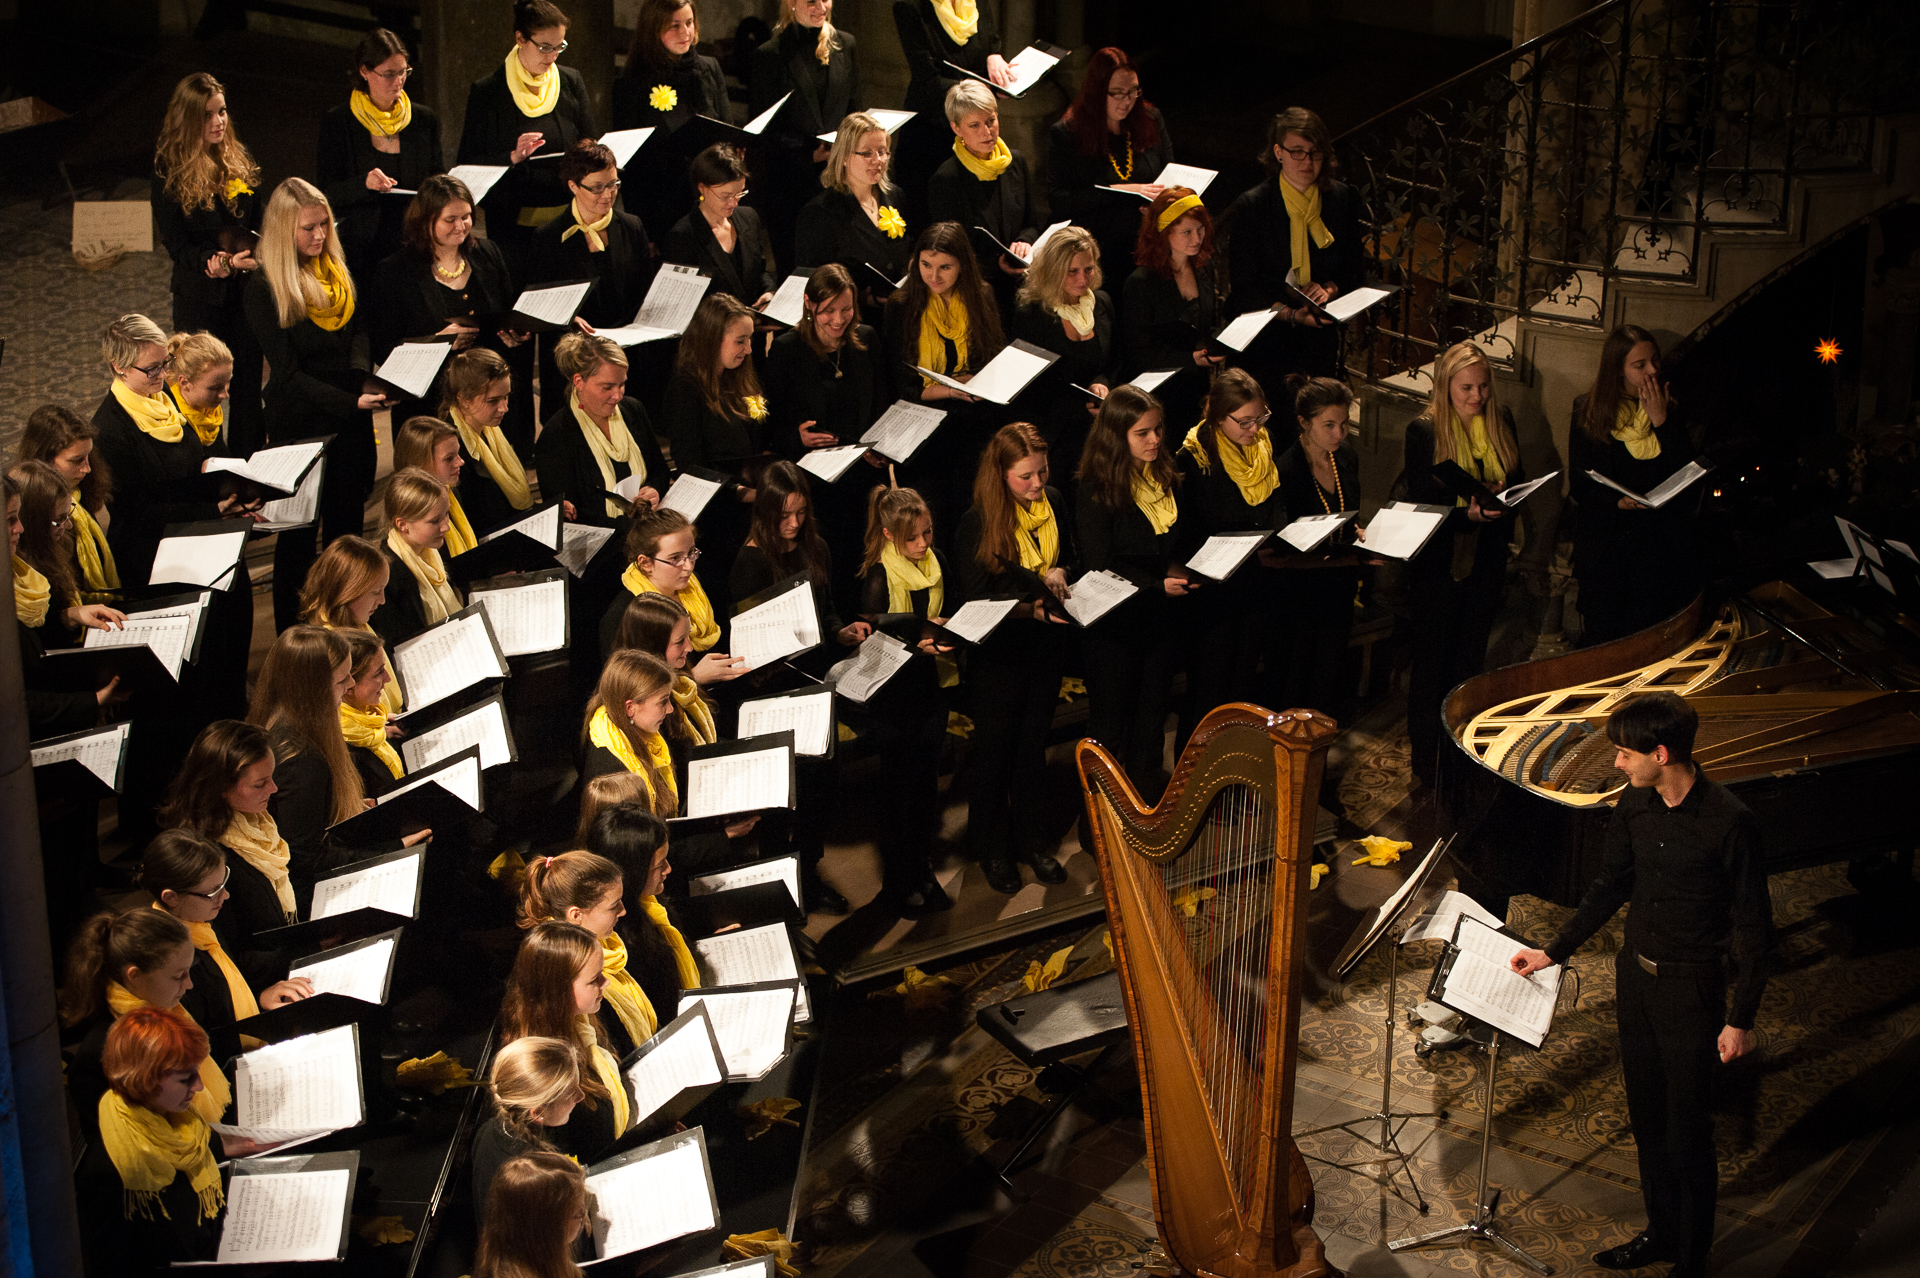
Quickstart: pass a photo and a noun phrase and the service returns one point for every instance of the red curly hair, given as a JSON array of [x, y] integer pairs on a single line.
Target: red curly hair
[[1086, 119], [1151, 250]]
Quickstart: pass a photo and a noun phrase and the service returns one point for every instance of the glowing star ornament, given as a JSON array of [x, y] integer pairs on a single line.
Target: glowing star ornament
[[1828, 349]]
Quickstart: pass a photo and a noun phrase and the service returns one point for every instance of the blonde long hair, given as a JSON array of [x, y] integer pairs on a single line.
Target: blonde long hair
[[1046, 281], [824, 47], [296, 689], [1453, 361], [633, 675], [294, 290], [845, 139], [194, 173]]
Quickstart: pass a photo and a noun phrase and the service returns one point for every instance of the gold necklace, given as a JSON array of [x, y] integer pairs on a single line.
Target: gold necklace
[[459, 269], [1128, 175], [1338, 490]]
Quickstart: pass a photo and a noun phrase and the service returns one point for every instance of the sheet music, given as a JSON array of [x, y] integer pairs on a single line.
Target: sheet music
[[478, 177], [831, 463], [1443, 916], [681, 1058], [689, 495], [284, 1216], [1240, 334], [809, 717], [97, 752], [1150, 382], [412, 366], [542, 525], [1041, 241], [1096, 594], [902, 429], [1220, 555], [781, 869], [277, 467], [462, 781], [746, 782], [651, 1200], [1520, 492], [878, 658], [527, 619], [579, 543], [485, 726], [1348, 305], [1399, 534], [624, 142], [167, 632], [752, 956], [1672, 485], [1009, 372], [1025, 69], [555, 305], [1834, 569], [782, 626], [360, 973], [671, 300], [750, 1024], [393, 886], [298, 510], [307, 1084], [443, 659], [1309, 531], [889, 120], [789, 304], [977, 618], [197, 561], [1189, 175], [1482, 985]]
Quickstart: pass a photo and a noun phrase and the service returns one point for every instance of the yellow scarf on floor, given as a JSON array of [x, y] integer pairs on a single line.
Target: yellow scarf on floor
[[381, 124], [149, 1148], [460, 538], [368, 729], [338, 287], [212, 1102], [1632, 427], [945, 317], [1037, 535], [207, 941], [534, 95], [491, 449], [206, 425], [989, 169], [1154, 501], [616, 445], [436, 594], [596, 240], [682, 956], [90, 547], [686, 695], [630, 1002], [1472, 440], [1251, 469], [256, 837], [608, 1071], [155, 415], [706, 628], [958, 18], [1303, 217], [904, 576], [32, 594]]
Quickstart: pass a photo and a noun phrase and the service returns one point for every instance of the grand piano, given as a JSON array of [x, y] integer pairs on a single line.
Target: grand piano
[[1809, 712]]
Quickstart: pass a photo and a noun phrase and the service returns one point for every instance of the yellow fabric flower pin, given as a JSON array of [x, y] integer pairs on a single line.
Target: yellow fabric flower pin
[[757, 409], [1320, 871], [889, 220], [763, 1114], [435, 1073], [237, 187], [1381, 851], [923, 991], [662, 97], [764, 1242], [1188, 899], [1041, 976]]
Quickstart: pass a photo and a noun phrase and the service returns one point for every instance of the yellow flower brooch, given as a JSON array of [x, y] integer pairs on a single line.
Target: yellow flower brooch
[[757, 407], [662, 97], [890, 221]]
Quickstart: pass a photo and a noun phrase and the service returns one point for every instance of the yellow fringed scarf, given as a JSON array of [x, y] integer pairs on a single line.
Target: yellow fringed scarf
[[686, 695], [682, 956], [256, 838], [1632, 427], [594, 231], [338, 287], [207, 941], [960, 19], [1079, 314], [155, 415], [149, 1149], [212, 1102], [437, 595], [1037, 535], [630, 1002], [460, 538], [381, 124], [1472, 440], [945, 317], [904, 576], [989, 169], [32, 594], [616, 445], [1303, 217], [205, 425], [1251, 469], [1154, 501], [492, 450], [603, 731], [608, 1071], [534, 96], [90, 548], [368, 729], [705, 630]]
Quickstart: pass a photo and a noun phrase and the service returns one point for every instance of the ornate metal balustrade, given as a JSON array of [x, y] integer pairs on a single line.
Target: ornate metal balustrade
[[1604, 150]]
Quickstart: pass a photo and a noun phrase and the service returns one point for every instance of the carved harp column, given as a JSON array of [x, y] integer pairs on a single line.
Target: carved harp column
[[1205, 898]]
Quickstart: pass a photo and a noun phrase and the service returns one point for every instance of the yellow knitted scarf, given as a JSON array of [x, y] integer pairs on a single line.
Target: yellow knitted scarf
[[32, 594], [615, 445], [149, 1149], [368, 729], [337, 285], [945, 317], [989, 169], [206, 425], [603, 731], [1154, 501], [682, 956], [90, 547], [706, 628], [256, 837], [155, 415], [1303, 218], [1472, 440], [1037, 535], [904, 576], [381, 124], [1632, 427], [460, 538], [217, 1093], [535, 96], [1251, 469], [436, 593], [958, 18], [491, 448], [594, 231], [630, 1002], [207, 941], [686, 695]]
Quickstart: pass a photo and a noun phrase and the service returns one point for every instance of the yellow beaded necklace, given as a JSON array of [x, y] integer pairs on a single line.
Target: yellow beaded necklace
[[1128, 175], [1339, 490]]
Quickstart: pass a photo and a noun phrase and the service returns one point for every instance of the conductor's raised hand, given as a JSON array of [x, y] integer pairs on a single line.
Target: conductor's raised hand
[[1527, 962]]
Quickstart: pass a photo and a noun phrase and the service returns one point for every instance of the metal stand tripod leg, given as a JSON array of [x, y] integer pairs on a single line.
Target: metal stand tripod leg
[[1481, 1225]]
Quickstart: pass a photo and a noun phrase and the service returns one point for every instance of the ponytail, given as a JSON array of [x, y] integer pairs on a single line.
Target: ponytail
[[106, 946], [555, 884]]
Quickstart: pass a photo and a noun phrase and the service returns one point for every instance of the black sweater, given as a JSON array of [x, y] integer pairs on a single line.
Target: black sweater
[[191, 238], [493, 124], [406, 302], [802, 386], [1003, 206], [1112, 216], [316, 374], [747, 272], [154, 484], [834, 228], [1262, 251], [369, 222], [929, 48], [657, 187], [620, 273], [1158, 326], [568, 471]]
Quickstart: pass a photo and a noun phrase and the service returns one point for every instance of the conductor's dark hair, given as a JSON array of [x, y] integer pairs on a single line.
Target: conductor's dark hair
[[530, 16], [584, 159], [1656, 719], [375, 47]]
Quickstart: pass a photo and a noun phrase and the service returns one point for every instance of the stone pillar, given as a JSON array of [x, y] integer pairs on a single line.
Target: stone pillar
[[883, 65], [590, 49], [460, 42], [1023, 121]]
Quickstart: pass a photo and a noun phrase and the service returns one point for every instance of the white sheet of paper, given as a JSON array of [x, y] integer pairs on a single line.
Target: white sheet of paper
[[781, 869], [542, 525], [644, 1203], [1347, 305], [197, 561], [789, 304], [97, 752], [1399, 534], [485, 726], [759, 122], [889, 120], [106, 226], [462, 781], [1096, 594], [1672, 485], [784, 625], [284, 1216], [298, 510], [360, 974], [682, 1058], [412, 366], [1005, 375], [1189, 175], [902, 429], [831, 463], [1308, 531], [1025, 69], [393, 886], [527, 619], [443, 659], [168, 633], [309, 1083], [977, 618], [1221, 554], [809, 716], [1438, 922], [1150, 382], [671, 300], [554, 305], [878, 658], [750, 1024], [1240, 334], [1520, 492], [579, 543], [1483, 986], [747, 782], [478, 177], [624, 142], [689, 495], [752, 956], [276, 467]]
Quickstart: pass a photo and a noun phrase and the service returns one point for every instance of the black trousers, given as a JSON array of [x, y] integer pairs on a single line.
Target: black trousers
[[1012, 707], [907, 732], [1453, 621], [1130, 663], [246, 418], [1669, 1028]]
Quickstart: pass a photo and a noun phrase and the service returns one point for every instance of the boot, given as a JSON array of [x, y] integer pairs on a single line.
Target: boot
[[1044, 867], [1002, 875]]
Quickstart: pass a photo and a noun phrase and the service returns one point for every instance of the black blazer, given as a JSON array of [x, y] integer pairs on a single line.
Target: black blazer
[[802, 386], [621, 273], [404, 614], [1112, 216], [1017, 639], [192, 238], [1157, 324], [929, 48], [834, 228], [405, 301], [1004, 206], [370, 223], [316, 374], [657, 188], [747, 272], [154, 484], [1491, 539], [568, 471], [1261, 248], [1122, 541], [493, 124], [822, 96], [1094, 361], [303, 809], [701, 437]]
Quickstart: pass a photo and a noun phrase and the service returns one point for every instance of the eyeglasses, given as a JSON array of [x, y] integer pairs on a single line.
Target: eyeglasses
[[601, 188], [554, 49], [685, 559], [874, 155], [154, 370], [63, 521], [1124, 95], [217, 892], [723, 198], [1305, 153], [391, 76], [1249, 423]]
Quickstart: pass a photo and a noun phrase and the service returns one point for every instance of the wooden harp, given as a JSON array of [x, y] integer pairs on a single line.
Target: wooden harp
[[1206, 894]]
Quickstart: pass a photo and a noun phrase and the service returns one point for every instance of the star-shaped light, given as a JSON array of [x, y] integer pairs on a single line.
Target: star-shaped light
[[1828, 349]]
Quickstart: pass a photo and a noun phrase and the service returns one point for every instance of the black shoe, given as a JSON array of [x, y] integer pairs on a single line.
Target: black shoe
[[823, 898], [1638, 1252], [1044, 867], [1003, 876], [927, 898]]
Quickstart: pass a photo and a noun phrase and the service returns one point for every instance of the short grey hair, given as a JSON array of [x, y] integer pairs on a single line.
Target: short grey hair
[[970, 97]]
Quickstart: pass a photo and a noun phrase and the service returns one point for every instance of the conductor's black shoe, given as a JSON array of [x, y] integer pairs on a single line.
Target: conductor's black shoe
[[1044, 867], [1003, 876], [1641, 1250], [823, 898]]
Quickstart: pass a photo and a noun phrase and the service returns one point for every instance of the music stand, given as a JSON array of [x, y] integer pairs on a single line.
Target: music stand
[[1389, 920]]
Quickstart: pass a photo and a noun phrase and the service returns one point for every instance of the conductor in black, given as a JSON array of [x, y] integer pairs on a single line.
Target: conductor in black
[[1686, 854]]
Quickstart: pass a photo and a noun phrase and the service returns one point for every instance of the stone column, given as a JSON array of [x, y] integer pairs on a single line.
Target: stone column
[[1023, 121]]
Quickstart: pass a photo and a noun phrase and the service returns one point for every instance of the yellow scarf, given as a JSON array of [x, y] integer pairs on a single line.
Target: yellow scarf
[[338, 286], [616, 445], [534, 96], [630, 1002], [1303, 216], [682, 957], [149, 1148], [155, 415], [1155, 502], [1079, 314], [1251, 469], [1473, 441], [212, 1102], [608, 1071], [205, 425], [368, 729], [603, 731], [381, 124], [904, 576], [596, 242], [32, 594], [989, 169], [256, 837], [437, 595], [460, 538], [686, 695], [945, 317], [706, 628], [958, 18], [491, 449], [90, 547], [1632, 427], [207, 941], [1037, 535]]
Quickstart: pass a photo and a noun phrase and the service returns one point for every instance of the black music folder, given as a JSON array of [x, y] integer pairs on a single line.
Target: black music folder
[[442, 797]]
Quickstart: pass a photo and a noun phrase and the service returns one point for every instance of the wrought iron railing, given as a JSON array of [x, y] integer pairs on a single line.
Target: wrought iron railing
[[1605, 150]]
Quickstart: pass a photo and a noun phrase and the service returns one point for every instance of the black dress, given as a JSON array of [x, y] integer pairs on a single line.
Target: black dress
[[568, 471], [1003, 206], [1131, 652], [747, 272], [1635, 567], [407, 302], [656, 178], [1112, 216], [834, 228], [1260, 233], [822, 97], [524, 198], [217, 306], [1161, 329], [1307, 668], [369, 221], [1052, 403], [924, 141]]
